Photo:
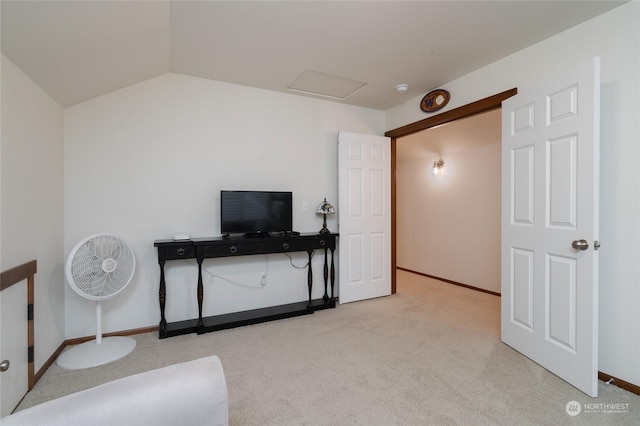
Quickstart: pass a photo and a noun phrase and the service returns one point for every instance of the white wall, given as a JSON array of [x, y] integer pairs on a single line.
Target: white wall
[[615, 37], [150, 160], [32, 199], [451, 220]]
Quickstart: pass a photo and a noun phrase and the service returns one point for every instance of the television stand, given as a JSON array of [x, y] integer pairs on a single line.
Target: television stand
[[229, 246]]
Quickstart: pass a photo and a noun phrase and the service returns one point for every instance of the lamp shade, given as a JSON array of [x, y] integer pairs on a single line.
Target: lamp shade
[[325, 208]]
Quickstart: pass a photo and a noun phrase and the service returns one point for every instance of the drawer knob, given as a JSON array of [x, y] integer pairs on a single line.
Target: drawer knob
[[233, 249], [322, 243], [285, 246], [180, 251]]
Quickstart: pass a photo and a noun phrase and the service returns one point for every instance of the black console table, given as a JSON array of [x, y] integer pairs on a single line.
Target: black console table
[[207, 248]]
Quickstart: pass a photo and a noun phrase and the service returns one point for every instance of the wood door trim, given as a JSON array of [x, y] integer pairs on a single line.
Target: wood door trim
[[477, 107]]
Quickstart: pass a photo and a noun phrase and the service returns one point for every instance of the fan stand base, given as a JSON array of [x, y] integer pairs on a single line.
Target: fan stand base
[[91, 354]]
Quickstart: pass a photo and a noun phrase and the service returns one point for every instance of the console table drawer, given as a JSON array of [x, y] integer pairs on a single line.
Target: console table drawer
[[186, 251], [295, 244], [325, 241], [244, 248]]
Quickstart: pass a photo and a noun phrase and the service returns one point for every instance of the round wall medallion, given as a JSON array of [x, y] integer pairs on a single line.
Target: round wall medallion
[[435, 100]]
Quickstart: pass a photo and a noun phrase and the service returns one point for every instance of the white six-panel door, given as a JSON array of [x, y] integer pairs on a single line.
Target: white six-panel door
[[364, 215], [550, 157]]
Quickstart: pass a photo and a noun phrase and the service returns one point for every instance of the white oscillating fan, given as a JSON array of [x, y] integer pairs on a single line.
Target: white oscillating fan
[[98, 268]]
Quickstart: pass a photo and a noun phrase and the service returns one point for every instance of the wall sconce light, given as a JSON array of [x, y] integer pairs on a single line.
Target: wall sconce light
[[324, 209], [438, 166]]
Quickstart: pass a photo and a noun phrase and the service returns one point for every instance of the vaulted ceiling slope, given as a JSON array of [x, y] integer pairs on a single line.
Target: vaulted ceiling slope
[[77, 50]]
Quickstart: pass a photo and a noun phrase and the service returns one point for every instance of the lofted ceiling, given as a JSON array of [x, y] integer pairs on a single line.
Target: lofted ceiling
[[77, 50]]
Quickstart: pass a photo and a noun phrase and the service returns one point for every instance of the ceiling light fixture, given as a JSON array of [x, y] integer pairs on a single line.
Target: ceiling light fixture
[[402, 88]]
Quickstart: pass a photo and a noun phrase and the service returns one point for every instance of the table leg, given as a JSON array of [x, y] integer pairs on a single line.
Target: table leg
[[309, 277], [333, 276], [200, 324], [325, 298], [162, 297]]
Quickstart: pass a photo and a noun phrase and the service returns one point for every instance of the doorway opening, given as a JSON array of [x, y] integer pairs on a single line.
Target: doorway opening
[[483, 105]]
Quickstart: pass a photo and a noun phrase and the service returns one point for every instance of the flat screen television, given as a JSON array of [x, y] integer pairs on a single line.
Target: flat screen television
[[255, 212]]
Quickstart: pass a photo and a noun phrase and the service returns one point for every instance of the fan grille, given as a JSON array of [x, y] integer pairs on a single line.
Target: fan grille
[[101, 266]]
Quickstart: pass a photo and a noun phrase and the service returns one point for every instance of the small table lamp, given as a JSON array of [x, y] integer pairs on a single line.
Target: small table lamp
[[324, 209]]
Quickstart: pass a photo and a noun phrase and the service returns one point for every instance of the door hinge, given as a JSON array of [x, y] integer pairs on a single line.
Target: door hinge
[[30, 354], [30, 312], [596, 245]]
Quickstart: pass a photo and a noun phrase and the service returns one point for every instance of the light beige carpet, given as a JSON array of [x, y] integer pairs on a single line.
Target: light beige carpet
[[431, 354]]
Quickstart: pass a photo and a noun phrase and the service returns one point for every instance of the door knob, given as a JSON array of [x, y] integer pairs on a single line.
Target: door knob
[[580, 244], [4, 365]]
